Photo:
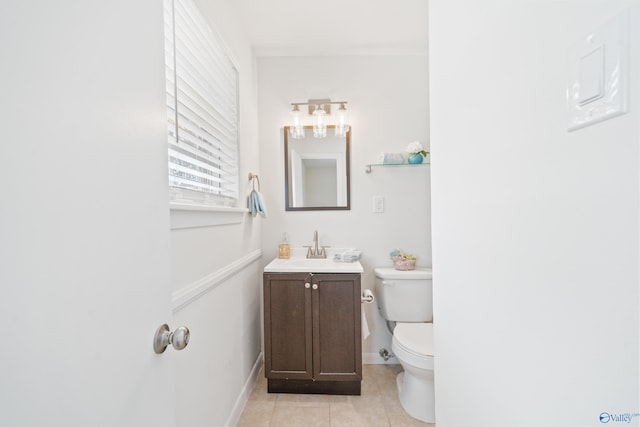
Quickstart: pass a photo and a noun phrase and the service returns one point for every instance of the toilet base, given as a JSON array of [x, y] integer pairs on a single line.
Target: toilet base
[[417, 395]]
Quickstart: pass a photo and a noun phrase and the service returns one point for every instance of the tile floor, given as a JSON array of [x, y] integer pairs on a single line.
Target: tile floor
[[377, 406]]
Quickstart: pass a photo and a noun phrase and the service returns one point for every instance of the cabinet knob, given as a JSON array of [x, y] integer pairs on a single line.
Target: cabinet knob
[[307, 285], [315, 286]]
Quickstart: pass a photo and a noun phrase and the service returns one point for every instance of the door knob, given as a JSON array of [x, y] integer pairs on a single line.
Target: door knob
[[307, 285], [163, 337], [315, 286]]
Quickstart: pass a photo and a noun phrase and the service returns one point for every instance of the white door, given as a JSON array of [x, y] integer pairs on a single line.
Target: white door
[[84, 225]]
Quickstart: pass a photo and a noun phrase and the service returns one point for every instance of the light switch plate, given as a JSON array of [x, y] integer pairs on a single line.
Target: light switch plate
[[598, 73], [591, 81], [378, 204]]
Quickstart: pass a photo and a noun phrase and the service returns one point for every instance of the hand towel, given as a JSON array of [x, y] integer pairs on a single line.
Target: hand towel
[[393, 159], [350, 255], [255, 204], [365, 326]]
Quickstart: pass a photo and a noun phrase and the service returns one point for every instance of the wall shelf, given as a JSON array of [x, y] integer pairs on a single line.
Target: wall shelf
[[368, 167]]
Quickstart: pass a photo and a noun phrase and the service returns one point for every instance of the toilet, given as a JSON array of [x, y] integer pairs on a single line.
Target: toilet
[[405, 297]]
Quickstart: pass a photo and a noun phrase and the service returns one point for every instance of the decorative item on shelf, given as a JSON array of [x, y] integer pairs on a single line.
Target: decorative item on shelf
[[390, 159], [416, 152], [402, 260], [415, 159]]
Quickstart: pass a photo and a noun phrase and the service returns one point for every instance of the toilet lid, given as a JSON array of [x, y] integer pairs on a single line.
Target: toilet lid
[[390, 273], [416, 338]]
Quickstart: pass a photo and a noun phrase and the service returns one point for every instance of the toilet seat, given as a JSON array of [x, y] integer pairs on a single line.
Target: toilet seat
[[413, 343], [417, 338]]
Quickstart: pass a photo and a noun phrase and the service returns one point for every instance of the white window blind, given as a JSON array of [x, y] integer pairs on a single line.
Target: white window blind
[[202, 110]]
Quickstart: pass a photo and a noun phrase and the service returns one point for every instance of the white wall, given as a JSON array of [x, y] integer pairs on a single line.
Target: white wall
[[535, 229], [388, 104], [217, 265]]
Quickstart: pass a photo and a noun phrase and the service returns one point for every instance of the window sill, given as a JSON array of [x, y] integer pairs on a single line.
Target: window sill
[[185, 215]]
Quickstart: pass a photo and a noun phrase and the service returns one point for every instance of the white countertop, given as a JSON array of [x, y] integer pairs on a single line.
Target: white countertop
[[300, 264]]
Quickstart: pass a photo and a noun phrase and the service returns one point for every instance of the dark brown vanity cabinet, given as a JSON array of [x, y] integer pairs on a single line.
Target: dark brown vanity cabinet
[[312, 333]]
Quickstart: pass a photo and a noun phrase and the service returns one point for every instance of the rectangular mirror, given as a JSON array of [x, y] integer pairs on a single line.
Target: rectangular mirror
[[317, 171]]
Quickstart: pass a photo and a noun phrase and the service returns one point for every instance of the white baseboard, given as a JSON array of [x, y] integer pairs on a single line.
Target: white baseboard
[[243, 398]]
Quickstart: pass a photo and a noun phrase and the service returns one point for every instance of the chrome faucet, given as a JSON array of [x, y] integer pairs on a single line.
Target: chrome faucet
[[315, 251]]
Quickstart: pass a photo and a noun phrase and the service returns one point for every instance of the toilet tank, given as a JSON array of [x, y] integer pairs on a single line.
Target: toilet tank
[[404, 296]]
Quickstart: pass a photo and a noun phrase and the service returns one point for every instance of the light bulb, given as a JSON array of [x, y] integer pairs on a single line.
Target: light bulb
[[319, 126], [297, 129], [342, 125]]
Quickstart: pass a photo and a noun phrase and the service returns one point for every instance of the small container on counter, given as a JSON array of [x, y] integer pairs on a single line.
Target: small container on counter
[[284, 250]]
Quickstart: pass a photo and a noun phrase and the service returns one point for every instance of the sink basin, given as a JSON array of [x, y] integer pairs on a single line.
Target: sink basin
[[299, 264]]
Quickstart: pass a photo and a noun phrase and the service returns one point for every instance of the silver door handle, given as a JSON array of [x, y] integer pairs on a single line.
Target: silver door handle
[[163, 337], [315, 286]]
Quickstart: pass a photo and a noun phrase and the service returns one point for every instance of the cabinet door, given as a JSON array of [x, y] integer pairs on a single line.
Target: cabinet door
[[287, 326], [337, 340]]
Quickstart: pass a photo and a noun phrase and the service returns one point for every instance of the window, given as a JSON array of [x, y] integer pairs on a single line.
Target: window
[[202, 110]]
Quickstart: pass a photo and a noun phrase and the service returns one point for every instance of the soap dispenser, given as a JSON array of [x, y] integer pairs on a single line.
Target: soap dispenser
[[284, 250]]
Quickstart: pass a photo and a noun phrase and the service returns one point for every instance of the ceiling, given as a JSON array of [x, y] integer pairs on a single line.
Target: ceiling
[[335, 27]]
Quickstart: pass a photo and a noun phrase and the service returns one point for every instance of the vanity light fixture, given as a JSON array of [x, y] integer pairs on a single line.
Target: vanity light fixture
[[320, 109], [297, 128], [319, 125], [342, 125]]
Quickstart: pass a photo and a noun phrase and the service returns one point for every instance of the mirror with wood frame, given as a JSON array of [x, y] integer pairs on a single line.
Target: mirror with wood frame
[[317, 171]]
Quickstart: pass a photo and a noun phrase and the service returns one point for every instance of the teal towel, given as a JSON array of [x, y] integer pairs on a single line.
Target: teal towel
[[255, 204]]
